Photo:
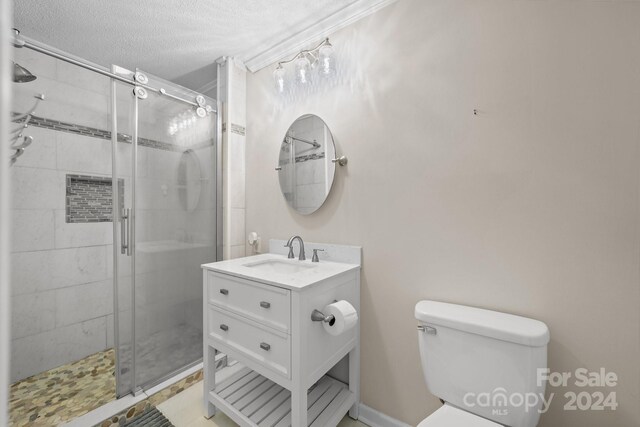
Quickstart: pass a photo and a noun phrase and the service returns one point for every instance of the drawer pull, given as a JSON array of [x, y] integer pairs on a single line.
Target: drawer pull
[[265, 346], [224, 327], [265, 304], [224, 291]]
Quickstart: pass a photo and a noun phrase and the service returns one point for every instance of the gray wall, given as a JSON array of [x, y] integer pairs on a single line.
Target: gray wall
[[530, 207]]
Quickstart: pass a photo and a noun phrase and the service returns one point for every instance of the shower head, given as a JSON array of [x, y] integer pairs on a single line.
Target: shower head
[[21, 74]]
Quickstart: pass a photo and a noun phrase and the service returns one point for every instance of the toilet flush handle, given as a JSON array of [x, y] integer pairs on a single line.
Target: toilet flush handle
[[428, 329]]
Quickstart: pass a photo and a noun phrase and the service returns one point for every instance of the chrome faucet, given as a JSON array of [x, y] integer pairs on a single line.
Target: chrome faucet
[[289, 245]]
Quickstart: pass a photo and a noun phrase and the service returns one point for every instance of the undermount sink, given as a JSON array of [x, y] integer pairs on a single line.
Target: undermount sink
[[279, 266]]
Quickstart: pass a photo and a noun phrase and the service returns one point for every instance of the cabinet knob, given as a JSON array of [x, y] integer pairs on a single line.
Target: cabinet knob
[[224, 291], [224, 327], [265, 304], [265, 346]]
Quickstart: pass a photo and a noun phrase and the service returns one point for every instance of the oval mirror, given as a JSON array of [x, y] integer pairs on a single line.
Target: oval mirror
[[189, 181], [305, 166]]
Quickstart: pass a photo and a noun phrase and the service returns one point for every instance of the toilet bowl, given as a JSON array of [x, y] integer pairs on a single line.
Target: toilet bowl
[[468, 352]]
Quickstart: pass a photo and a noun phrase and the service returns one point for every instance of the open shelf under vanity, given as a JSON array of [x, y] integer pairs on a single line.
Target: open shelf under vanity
[[248, 398]]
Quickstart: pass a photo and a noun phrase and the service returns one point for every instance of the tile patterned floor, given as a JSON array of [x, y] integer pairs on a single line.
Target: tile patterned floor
[[64, 393]]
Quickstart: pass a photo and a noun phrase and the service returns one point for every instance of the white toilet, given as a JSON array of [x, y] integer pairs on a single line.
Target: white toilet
[[483, 364]]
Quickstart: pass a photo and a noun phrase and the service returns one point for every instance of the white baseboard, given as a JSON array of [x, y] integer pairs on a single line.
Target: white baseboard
[[373, 418]]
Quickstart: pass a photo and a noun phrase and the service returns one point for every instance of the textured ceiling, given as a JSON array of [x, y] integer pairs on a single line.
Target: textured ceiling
[[178, 40]]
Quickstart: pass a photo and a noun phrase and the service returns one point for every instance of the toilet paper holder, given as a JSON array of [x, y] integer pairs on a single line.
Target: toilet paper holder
[[318, 316]]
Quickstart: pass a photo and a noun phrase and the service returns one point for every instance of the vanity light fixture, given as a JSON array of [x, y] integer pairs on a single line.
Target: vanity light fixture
[[306, 62]]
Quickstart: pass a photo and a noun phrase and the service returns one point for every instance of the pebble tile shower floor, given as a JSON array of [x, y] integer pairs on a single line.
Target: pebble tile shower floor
[[69, 391], [64, 393]]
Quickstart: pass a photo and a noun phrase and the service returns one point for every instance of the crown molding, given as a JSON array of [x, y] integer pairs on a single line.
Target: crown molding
[[261, 58]]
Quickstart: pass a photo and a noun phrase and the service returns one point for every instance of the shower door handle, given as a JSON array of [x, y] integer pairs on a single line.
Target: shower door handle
[[125, 246]]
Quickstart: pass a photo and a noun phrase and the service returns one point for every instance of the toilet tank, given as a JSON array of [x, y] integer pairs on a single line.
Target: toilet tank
[[483, 361]]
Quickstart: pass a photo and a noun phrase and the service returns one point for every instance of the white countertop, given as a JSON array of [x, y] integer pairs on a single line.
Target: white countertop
[[309, 276]]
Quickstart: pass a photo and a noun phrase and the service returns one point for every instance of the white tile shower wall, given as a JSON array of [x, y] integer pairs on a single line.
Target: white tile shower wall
[[232, 84], [61, 292]]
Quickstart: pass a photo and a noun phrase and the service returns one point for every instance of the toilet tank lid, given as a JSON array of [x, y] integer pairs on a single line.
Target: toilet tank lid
[[493, 324]]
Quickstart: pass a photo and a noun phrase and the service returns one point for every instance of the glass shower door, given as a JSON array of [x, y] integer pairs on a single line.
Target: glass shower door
[[175, 211], [172, 231]]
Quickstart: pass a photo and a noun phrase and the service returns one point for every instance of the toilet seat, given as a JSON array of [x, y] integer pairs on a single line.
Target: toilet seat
[[449, 416]]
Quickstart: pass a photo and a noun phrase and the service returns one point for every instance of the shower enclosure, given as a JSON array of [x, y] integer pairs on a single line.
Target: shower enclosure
[[114, 211]]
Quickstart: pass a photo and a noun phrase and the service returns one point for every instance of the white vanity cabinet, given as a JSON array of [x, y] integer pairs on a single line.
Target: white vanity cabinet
[[258, 312]]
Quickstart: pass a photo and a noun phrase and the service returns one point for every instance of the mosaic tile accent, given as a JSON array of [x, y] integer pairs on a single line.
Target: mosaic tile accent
[[315, 156], [237, 129], [105, 134], [89, 198], [64, 393], [305, 158]]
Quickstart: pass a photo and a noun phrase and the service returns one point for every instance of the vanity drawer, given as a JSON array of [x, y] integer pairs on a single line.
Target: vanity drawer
[[270, 348], [266, 304]]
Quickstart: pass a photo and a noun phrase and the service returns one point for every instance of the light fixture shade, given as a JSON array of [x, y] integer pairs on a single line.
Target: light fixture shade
[[279, 79], [303, 71], [326, 59], [317, 65]]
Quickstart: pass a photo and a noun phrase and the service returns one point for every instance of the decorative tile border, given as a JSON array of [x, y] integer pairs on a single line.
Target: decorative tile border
[[60, 126], [300, 159], [237, 129], [308, 157]]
